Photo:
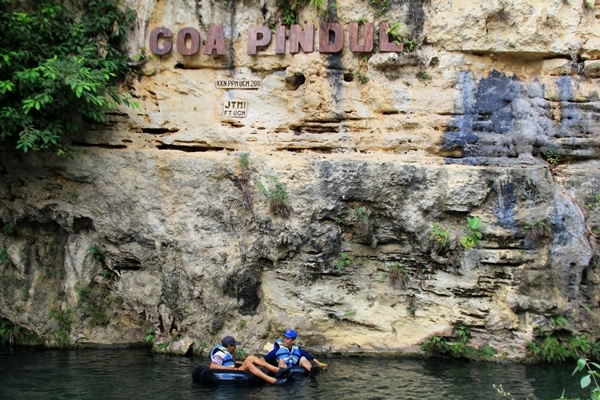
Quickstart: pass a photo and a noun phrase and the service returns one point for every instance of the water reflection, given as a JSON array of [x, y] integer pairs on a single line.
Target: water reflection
[[139, 374]]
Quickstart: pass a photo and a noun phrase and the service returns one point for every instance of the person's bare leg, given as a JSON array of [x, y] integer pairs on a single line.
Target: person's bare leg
[[305, 363], [261, 363], [254, 370]]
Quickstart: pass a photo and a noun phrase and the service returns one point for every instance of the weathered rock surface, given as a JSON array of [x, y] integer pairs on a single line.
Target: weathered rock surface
[[161, 223]]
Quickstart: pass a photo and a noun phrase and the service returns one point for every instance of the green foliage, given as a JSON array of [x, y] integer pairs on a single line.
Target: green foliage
[[440, 234], [3, 255], [360, 77], [553, 344], [589, 379], [591, 376], [589, 5], [96, 253], [320, 6], [149, 337], [435, 345], [487, 351], [93, 303], [398, 274], [359, 218], [288, 17], [595, 203], [553, 156], [64, 319], [240, 354], [473, 233], [7, 331], [201, 347], [276, 195], [409, 45], [550, 349], [7, 230], [423, 76], [456, 346], [343, 262], [381, 6], [242, 181], [109, 274], [59, 69], [396, 32], [245, 161], [595, 351], [559, 321]]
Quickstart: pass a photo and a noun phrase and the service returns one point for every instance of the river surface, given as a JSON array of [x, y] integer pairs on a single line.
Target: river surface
[[140, 374]]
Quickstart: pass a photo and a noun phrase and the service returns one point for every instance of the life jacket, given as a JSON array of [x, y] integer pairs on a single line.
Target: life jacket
[[228, 360], [290, 356], [278, 343]]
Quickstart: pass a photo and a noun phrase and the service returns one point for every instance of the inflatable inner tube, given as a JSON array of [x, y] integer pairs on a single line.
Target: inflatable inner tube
[[204, 375], [295, 372]]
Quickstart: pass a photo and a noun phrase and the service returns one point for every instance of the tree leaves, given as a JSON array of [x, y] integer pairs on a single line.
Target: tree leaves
[[58, 69]]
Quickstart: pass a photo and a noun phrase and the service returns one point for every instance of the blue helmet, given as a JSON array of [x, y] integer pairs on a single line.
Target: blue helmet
[[290, 333]]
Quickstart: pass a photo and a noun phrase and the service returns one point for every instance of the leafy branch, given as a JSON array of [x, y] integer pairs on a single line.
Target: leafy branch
[[59, 69]]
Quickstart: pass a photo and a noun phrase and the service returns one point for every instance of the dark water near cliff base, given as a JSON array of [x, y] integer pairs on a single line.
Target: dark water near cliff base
[[140, 374]]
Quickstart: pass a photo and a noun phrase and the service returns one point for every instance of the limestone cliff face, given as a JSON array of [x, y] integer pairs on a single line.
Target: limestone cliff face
[[174, 219]]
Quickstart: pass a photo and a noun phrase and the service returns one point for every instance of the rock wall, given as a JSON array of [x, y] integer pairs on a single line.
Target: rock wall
[[317, 209]]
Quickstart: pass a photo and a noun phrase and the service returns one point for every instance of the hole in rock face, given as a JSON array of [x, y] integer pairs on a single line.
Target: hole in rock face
[[348, 77], [83, 224], [295, 81]]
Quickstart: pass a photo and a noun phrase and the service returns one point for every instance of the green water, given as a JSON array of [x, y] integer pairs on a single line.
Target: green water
[[140, 374]]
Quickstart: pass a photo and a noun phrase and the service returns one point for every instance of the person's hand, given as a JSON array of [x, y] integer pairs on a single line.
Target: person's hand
[[321, 365]]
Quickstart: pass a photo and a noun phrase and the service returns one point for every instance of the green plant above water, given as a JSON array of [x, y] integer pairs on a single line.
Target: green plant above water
[[553, 156], [276, 195], [473, 233], [149, 337], [343, 262], [595, 203], [396, 32], [553, 343], [320, 6], [456, 345], [242, 181], [96, 253], [7, 331], [440, 234], [64, 320], [397, 274], [423, 76], [360, 77], [591, 377]]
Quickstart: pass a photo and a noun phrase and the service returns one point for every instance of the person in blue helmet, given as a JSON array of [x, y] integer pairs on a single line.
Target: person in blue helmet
[[221, 358], [286, 354]]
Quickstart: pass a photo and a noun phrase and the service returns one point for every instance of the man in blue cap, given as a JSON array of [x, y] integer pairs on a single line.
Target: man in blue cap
[[221, 358], [287, 354]]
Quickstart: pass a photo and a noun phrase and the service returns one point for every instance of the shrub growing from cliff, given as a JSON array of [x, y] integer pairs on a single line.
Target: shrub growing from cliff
[[59, 69]]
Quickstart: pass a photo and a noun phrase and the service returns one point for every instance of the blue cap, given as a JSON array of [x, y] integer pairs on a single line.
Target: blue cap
[[290, 333]]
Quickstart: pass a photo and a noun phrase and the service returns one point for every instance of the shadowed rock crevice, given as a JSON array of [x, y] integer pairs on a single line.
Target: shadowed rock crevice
[[244, 285]]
